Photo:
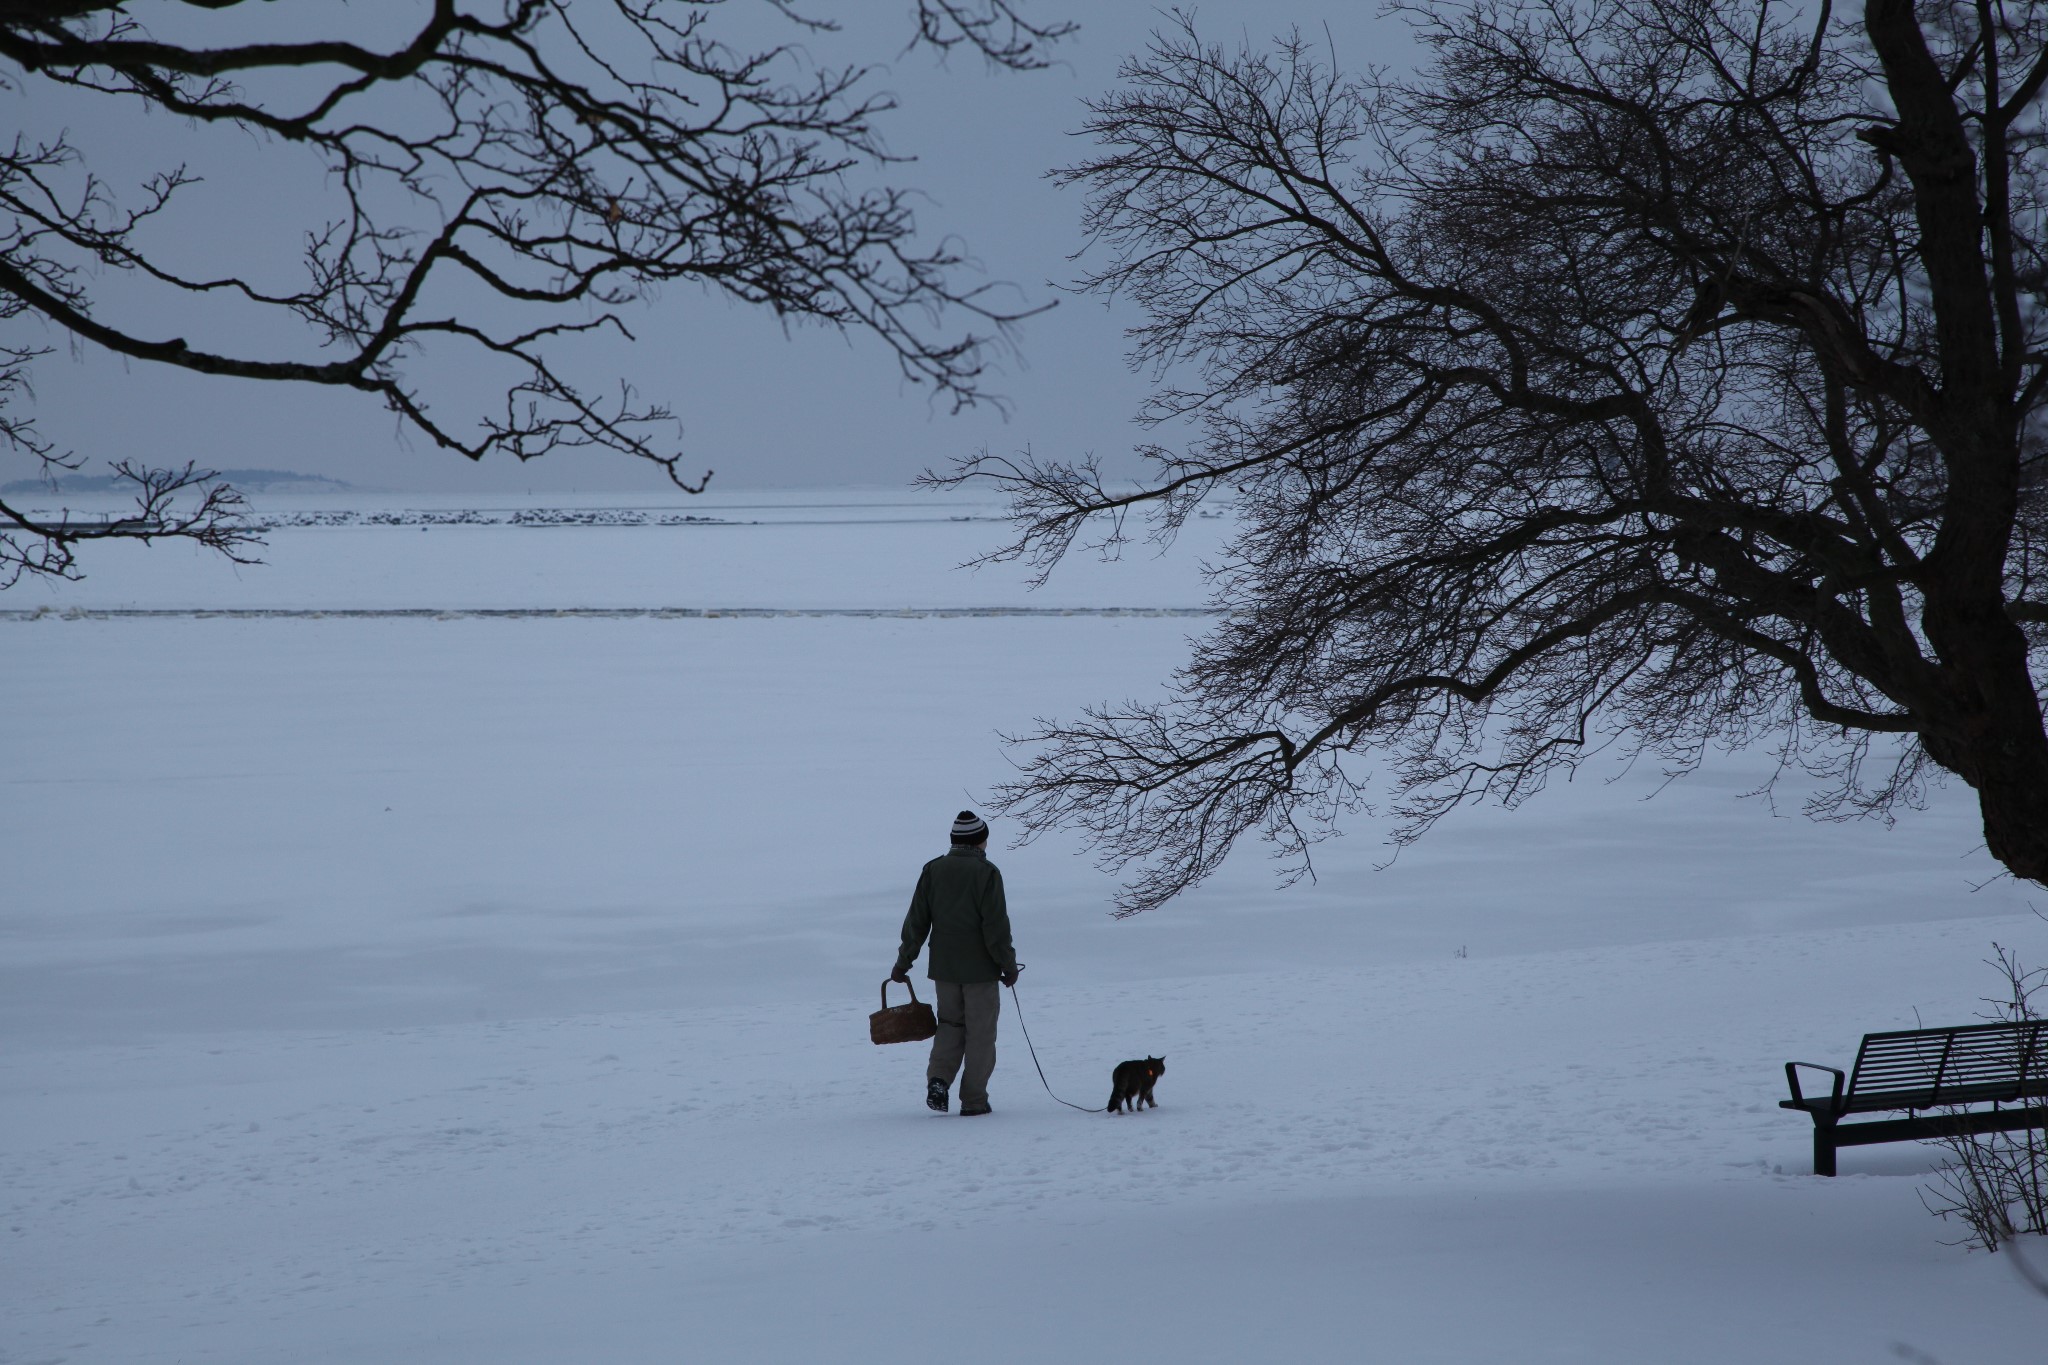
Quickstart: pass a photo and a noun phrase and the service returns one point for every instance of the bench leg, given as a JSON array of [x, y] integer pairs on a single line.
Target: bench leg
[[1823, 1145]]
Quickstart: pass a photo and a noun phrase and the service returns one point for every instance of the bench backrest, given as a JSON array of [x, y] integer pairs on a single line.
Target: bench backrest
[[1938, 1066]]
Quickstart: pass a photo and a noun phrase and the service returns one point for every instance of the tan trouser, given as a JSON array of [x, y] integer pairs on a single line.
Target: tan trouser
[[967, 1029]]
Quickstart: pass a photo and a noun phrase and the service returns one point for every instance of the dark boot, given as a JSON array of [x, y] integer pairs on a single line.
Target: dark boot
[[969, 1108], [935, 1095]]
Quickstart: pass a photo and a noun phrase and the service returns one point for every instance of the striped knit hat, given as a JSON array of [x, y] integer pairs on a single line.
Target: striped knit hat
[[969, 828]]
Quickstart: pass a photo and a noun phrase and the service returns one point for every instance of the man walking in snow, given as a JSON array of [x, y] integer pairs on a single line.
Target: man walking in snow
[[959, 904]]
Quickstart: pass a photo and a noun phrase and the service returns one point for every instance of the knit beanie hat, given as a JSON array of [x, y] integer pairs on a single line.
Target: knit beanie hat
[[969, 828]]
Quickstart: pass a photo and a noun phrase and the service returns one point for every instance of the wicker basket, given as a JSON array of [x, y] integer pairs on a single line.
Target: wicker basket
[[911, 1023]]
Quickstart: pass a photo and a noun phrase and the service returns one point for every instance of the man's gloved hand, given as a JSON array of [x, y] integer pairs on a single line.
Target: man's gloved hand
[[901, 975], [1009, 976]]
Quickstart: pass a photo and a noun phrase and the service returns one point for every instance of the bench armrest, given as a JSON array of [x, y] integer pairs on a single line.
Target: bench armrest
[[1799, 1100]]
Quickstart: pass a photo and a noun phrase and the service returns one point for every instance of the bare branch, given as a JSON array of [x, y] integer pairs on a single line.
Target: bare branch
[[996, 29], [562, 162], [1596, 386]]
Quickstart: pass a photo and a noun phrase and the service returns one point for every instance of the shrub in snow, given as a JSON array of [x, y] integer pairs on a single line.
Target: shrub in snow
[[1996, 1184]]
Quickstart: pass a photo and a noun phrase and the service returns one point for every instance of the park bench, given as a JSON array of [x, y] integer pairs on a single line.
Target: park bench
[[1937, 1076]]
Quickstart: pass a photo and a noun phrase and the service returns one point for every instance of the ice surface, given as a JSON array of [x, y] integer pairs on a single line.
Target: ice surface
[[450, 990], [796, 550]]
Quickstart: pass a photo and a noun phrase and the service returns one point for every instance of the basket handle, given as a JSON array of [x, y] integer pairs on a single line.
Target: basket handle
[[885, 991]]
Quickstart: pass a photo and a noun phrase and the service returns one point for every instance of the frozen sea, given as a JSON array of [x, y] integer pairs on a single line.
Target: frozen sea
[[450, 941]]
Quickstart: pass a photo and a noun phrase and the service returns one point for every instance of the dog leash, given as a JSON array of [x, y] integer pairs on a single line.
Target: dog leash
[[1034, 1052]]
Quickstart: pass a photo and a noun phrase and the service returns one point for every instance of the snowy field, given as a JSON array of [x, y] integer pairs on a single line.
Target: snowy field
[[446, 987]]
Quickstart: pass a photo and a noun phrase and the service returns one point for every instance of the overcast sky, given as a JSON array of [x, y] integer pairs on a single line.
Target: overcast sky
[[761, 407]]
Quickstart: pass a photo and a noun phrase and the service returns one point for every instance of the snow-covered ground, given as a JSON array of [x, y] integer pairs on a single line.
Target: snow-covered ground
[[397, 989]]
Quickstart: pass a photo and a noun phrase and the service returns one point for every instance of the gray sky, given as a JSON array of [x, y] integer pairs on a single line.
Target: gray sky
[[761, 407]]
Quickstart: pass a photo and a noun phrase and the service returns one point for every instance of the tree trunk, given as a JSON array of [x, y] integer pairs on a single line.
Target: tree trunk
[[1993, 740], [1985, 723]]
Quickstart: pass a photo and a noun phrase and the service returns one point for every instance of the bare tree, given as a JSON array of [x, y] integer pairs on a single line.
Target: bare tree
[[506, 174], [1662, 372]]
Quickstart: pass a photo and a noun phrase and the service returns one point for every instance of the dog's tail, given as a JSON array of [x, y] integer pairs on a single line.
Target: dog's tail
[[1116, 1093]]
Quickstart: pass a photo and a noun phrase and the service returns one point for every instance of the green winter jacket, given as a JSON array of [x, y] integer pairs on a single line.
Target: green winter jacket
[[959, 903]]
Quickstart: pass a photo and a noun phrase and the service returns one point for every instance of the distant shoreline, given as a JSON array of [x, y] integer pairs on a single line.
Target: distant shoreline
[[248, 480]]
